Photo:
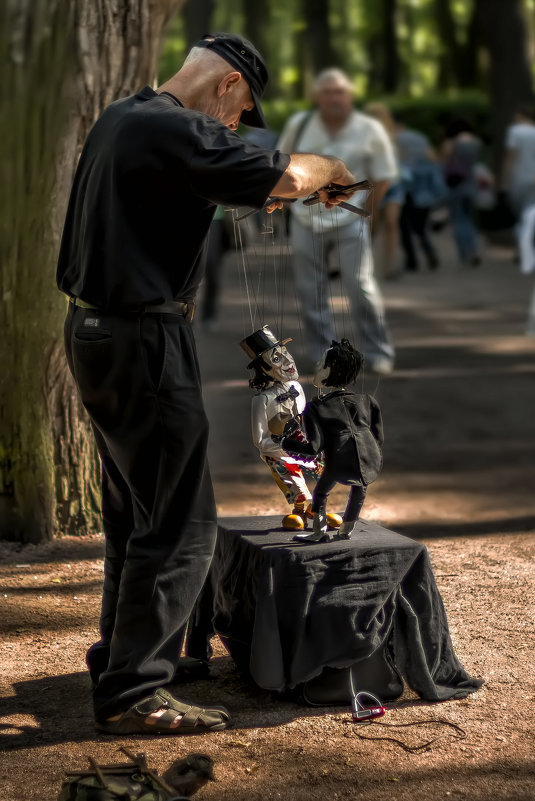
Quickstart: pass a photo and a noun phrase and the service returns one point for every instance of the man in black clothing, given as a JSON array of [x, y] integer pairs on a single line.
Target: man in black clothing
[[152, 170]]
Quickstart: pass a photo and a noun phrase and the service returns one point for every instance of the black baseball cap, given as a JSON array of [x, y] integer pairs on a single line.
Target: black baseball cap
[[244, 57]]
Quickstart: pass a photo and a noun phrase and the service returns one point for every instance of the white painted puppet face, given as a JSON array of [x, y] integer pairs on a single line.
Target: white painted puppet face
[[281, 364], [321, 371]]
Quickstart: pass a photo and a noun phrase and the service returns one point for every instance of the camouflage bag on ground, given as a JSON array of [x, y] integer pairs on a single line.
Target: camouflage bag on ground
[[131, 781]]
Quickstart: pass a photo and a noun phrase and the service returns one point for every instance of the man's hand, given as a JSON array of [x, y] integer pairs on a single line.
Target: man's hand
[[337, 194], [277, 203], [308, 171], [344, 178]]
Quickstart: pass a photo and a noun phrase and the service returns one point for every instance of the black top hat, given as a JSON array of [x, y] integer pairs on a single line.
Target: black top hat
[[243, 55], [258, 343]]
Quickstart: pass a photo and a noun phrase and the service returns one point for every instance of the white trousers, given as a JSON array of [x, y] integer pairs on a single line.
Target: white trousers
[[349, 249]]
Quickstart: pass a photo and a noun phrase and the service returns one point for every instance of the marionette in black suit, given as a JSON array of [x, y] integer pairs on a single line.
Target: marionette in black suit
[[348, 428]]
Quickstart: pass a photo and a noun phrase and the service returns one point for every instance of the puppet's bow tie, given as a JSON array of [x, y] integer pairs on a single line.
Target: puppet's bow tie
[[284, 396]]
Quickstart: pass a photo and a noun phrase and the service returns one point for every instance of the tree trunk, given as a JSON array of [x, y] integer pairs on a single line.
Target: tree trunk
[[469, 71], [197, 20], [316, 41], [257, 18], [79, 55], [505, 35], [450, 55], [458, 64], [374, 44], [391, 59]]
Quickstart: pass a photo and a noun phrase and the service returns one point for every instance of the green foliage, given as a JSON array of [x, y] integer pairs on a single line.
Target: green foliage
[[429, 114], [424, 114], [356, 28], [173, 50]]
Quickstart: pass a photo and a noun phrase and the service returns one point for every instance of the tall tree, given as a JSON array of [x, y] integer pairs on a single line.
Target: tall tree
[[469, 68], [315, 49], [257, 18], [391, 59], [458, 59], [382, 47], [374, 43], [504, 33], [64, 60], [197, 20], [450, 51]]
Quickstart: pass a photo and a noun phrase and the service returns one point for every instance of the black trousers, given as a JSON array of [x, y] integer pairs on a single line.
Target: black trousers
[[326, 483], [138, 379], [413, 222]]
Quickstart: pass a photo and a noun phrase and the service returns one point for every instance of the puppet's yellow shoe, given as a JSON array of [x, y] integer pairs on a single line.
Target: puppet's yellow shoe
[[334, 521], [293, 522]]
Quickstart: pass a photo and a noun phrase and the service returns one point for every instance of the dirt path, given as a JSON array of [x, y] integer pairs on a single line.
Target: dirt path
[[459, 475]]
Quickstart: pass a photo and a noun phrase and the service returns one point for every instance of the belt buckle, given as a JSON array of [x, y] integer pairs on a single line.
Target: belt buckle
[[190, 310]]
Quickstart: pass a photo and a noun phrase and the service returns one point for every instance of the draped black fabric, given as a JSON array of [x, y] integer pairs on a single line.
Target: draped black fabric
[[288, 610]]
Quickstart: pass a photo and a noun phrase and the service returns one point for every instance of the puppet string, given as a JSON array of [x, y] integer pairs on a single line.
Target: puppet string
[[239, 246]]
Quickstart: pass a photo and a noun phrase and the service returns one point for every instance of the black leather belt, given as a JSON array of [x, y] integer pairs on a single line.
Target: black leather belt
[[185, 308]]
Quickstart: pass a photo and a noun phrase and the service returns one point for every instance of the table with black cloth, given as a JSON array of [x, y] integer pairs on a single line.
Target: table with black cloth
[[288, 610]]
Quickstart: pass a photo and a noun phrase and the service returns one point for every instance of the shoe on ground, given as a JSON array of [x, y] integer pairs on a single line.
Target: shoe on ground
[[193, 719]]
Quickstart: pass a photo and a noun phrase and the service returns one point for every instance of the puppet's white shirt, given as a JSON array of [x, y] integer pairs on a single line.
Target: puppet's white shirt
[[264, 407]]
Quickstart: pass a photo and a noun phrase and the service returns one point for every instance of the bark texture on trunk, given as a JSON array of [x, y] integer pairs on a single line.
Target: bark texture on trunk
[[65, 61], [504, 33]]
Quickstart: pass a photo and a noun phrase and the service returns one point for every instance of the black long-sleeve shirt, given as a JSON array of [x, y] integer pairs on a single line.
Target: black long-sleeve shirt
[[143, 198]]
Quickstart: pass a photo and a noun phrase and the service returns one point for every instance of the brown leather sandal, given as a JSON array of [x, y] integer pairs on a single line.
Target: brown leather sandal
[[194, 720]]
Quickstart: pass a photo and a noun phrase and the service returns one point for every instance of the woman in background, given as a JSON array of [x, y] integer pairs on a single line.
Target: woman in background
[[460, 152]]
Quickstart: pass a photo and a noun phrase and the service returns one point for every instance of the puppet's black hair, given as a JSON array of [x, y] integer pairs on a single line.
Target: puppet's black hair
[[260, 379], [345, 362]]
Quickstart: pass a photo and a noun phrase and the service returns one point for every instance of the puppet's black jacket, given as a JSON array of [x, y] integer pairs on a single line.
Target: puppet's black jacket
[[348, 428]]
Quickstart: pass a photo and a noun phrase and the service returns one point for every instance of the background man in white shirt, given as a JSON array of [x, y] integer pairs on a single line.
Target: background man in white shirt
[[334, 128], [519, 166]]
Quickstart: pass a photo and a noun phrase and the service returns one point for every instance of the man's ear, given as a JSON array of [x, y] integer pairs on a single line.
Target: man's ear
[[228, 83]]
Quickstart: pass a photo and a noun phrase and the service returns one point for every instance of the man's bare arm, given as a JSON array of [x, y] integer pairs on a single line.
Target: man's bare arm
[[308, 173]]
